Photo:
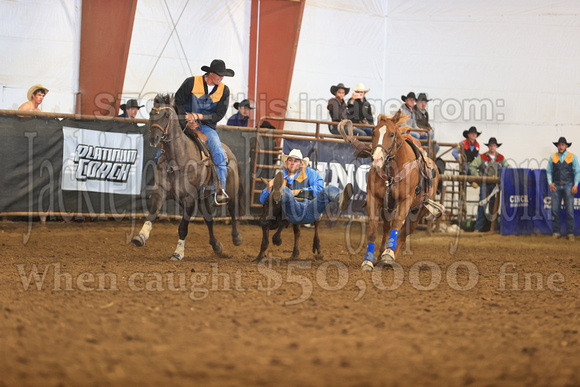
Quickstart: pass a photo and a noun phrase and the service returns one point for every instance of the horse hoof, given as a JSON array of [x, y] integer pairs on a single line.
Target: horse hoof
[[218, 248], [237, 240], [388, 257], [176, 257], [367, 266], [258, 259], [138, 241], [277, 241]]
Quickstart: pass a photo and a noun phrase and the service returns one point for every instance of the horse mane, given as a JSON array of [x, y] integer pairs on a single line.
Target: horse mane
[[402, 120], [164, 99]]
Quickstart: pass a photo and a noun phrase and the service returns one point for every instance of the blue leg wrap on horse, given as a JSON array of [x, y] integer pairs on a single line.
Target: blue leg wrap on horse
[[370, 256], [392, 243]]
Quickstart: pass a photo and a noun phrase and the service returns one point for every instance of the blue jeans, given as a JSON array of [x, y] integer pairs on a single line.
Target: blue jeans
[[307, 211], [333, 129], [563, 191], [425, 136], [484, 191], [219, 156]]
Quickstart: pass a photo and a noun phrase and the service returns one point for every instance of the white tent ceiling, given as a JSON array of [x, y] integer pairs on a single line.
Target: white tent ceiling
[[508, 67]]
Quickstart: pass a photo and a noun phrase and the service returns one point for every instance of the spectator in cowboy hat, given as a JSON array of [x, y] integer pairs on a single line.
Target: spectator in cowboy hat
[[487, 164], [563, 173], [407, 109], [359, 110], [422, 118], [337, 108], [301, 190], [35, 97], [469, 148], [130, 109], [201, 102], [243, 115]]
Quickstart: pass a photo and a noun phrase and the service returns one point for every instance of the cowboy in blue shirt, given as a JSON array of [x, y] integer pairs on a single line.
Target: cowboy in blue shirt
[[563, 176], [242, 116], [301, 190]]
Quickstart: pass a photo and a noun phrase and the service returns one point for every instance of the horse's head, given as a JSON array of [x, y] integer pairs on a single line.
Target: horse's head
[[161, 119], [387, 138]]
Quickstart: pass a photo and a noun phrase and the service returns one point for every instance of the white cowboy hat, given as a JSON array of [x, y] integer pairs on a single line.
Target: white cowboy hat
[[361, 87], [296, 154], [33, 90]]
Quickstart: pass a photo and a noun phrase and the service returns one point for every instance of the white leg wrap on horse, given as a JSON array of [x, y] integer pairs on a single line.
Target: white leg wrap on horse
[[388, 256], [146, 229], [367, 266], [179, 251]]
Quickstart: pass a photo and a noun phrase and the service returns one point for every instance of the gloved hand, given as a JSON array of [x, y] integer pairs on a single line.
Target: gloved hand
[[475, 185]]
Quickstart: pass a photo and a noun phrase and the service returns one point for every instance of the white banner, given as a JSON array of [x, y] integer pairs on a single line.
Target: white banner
[[101, 161]]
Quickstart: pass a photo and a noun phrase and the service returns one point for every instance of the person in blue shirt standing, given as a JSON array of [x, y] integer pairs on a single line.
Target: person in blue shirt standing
[[242, 116], [201, 102], [301, 190], [563, 173]]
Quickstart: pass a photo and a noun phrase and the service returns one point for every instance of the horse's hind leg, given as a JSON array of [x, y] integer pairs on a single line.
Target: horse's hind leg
[[316, 242], [156, 200], [296, 249]]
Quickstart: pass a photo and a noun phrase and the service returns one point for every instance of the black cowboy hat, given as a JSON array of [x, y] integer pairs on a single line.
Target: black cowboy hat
[[473, 129], [131, 104], [334, 89], [244, 103], [562, 140], [492, 140], [410, 95], [218, 67], [422, 97], [267, 125]]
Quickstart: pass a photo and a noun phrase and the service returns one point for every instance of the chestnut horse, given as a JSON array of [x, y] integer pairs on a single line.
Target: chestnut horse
[[185, 175], [401, 187]]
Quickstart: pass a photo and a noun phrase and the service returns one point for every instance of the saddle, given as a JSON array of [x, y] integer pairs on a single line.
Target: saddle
[[200, 140], [426, 174]]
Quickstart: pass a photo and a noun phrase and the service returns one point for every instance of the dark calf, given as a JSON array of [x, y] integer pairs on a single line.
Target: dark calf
[[272, 219]]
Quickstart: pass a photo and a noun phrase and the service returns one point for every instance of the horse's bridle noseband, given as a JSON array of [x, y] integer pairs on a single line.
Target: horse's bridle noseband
[[389, 153], [164, 138]]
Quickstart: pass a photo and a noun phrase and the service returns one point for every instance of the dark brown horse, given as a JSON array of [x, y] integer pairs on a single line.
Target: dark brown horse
[[185, 175], [401, 187], [272, 219]]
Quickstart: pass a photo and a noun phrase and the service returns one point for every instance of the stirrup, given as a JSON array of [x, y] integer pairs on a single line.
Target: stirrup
[[221, 198], [434, 208]]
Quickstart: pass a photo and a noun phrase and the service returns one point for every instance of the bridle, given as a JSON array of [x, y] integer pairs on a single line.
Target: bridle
[[389, 153], [165, 138]]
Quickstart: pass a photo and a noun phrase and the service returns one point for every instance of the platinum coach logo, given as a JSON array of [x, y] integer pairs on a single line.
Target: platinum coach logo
[[102, 163]]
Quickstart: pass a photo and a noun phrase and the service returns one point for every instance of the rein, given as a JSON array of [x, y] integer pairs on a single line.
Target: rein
[[390, 155], [165, 138]]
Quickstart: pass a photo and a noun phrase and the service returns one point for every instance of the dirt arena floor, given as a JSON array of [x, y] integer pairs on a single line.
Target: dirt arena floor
[[80, 305]]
